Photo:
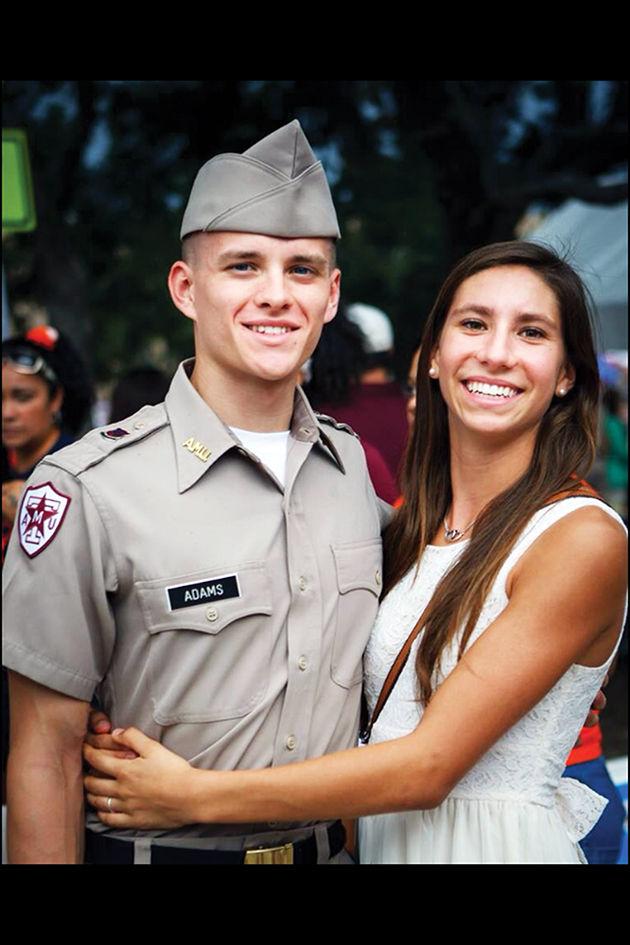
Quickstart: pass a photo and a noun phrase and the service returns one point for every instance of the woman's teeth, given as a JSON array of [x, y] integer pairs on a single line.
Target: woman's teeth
[[492, 390]]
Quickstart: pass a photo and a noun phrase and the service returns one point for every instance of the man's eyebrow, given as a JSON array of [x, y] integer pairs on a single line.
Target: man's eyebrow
[[230, 254], [313, 259]]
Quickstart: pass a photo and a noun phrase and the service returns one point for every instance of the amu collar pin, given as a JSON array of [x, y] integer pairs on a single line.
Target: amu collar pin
[[197, 448]]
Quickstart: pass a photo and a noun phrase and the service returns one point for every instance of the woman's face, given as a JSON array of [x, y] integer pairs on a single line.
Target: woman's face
[[28, 409], [501, 358]]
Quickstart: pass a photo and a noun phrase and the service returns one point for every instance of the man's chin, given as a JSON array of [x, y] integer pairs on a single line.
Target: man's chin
[[276, 374]]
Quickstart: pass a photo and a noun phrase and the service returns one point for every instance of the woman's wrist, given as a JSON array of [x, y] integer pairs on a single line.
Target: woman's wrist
[[208, 795]]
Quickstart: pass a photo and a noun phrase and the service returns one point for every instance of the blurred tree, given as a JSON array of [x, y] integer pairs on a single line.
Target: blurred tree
[[422, 171]]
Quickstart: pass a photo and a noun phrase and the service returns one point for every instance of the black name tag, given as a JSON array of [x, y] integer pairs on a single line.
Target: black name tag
[[203, 592]]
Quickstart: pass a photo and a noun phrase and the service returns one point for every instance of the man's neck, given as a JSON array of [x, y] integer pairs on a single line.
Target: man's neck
[[249, 404]]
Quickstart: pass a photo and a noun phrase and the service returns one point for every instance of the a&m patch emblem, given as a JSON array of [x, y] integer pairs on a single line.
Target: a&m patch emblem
[[41, 513]]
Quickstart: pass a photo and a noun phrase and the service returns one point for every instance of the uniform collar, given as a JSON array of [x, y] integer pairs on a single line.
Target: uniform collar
[[201, 438], [306, 426]]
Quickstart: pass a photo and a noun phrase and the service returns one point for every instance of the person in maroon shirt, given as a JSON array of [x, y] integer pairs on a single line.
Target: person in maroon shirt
[[351, 380]]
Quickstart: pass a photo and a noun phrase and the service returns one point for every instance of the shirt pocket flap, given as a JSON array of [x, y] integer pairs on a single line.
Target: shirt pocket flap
[[359, 565], [195, 601]]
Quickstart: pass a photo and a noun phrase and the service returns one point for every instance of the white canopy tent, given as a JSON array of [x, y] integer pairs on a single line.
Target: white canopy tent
[[594, 239]]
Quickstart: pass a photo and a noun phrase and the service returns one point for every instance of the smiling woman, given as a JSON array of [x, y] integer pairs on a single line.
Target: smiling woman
[[511, 644], [501, 356]]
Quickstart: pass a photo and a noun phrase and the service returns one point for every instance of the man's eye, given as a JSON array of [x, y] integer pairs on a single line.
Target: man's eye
[[303, 270], [241, 266]]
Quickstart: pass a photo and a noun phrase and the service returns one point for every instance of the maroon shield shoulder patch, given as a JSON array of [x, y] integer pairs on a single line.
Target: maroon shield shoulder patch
[[42, 511]]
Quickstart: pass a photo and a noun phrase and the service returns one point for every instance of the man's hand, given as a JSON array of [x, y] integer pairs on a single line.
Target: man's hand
[[151, 790], [99, 735], [598, 704]]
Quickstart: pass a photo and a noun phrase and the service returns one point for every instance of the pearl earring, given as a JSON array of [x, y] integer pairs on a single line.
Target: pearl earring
[[562, 392], [433, 371]]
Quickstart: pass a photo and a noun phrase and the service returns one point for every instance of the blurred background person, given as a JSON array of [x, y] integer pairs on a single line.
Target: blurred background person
[[333, 378], [46, 399], [370, 400], [615, 449], [137, 388]]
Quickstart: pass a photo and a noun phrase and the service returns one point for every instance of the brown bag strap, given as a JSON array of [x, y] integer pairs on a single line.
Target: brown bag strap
[[392, 678], [581, 490]]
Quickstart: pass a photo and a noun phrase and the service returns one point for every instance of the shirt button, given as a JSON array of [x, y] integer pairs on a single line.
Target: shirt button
[[139, 425], [302, 583], [302, 662], [377, 578], [212, 613], [291, 742], [306, 430]]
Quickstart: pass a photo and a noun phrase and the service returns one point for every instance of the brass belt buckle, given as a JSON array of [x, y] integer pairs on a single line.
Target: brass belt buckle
[[283, 854]]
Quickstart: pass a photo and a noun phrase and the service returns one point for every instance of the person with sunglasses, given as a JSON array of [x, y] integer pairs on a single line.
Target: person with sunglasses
[[46, 396]]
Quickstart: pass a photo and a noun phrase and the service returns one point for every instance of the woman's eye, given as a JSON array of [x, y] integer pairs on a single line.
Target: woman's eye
[[473, 323], [532, 333]]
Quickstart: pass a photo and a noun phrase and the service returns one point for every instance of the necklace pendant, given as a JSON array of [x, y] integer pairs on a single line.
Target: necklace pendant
[[452, 534]]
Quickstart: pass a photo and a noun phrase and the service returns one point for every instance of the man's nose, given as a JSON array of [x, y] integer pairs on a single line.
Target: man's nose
[[273, 291]]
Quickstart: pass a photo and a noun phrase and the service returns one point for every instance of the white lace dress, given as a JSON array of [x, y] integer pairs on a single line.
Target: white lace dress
[[513, 806]]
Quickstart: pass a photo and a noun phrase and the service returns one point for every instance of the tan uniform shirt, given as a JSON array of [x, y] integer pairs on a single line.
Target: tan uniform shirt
[[167, 571]]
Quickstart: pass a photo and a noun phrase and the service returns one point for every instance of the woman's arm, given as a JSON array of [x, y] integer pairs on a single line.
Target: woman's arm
[[566, 606]]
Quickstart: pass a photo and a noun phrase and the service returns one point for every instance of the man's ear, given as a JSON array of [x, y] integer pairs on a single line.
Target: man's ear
[[333, 300], [181, 286]]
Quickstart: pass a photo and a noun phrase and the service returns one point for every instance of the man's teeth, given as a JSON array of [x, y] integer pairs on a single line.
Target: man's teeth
[[270, 329], [494, 390]]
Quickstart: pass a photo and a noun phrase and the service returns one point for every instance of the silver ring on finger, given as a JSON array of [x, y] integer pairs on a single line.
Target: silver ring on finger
[[109, 805]]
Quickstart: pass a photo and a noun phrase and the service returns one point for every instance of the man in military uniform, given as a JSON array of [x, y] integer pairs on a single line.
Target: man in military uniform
[[210, 567]]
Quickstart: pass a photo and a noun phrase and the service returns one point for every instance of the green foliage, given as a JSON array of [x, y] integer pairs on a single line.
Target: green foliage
[[421, 171]]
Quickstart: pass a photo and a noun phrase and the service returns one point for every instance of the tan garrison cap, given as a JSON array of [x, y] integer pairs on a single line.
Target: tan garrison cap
[[277, 188]]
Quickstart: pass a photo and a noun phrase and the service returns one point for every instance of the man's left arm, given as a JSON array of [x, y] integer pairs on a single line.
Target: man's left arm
[[44, 775]]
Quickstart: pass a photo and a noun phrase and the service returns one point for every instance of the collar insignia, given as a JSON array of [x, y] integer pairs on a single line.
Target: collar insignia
[[199, 450]]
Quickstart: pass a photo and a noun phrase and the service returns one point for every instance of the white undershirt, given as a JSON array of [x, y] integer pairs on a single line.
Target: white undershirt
[[271, 448]]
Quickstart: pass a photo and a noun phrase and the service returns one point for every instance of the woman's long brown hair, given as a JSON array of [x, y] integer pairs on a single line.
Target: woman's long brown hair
[[564, 449]]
